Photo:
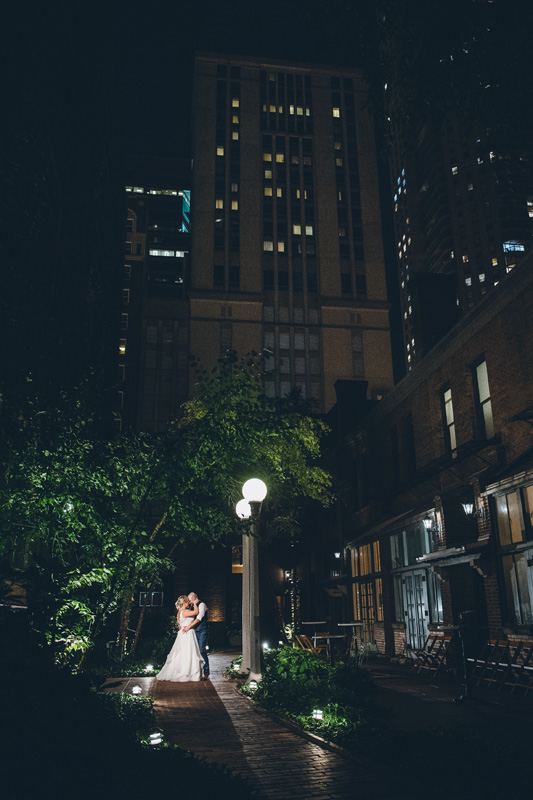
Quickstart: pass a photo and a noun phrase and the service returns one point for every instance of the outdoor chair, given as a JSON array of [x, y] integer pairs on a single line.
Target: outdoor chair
[[432, 657], [306, 644]]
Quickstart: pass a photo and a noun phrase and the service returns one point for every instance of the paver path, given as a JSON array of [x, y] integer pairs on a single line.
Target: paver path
[[212, 720]]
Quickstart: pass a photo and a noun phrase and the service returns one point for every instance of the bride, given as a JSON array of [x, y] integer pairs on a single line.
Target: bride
[[184, 662]]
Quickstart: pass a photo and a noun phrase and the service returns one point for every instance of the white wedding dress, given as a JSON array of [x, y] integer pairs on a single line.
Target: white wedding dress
[[184, 662]]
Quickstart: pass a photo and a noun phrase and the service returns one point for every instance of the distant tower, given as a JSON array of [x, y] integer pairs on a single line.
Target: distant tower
[[154, 345], [462, 177], [287, 248]]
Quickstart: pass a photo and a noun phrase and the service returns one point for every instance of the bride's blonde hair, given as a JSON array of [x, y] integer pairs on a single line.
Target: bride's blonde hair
[[182, 600]]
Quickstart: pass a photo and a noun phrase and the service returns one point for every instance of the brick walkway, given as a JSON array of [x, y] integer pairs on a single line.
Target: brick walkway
[[213, 721]]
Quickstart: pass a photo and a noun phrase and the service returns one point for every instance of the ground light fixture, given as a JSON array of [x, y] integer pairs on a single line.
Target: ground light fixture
[[253, 685], [149, 668], [156, 738], [137, 689], [318, 713]]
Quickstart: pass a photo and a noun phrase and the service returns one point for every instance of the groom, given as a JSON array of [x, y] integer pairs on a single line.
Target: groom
[[199, 623]]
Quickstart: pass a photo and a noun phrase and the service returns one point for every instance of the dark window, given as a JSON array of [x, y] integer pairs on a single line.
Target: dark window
[[268, 278], [218, 276]]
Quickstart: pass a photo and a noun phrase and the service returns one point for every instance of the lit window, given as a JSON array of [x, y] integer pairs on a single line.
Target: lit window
[[272, 109], [512, 246], [219, 203], [342, 231], [234, 187], [267, 156], [336, 112], [494, 262], [465, 259], [470, 187], [482, 277], [220, 150], [448, 419], [339, 162], [308, 230], [280, 158], [268, 246], [530, 208], [138, 189], [468, 281], [235, 135], [455, 170], [483, 401], [234, 205], [235, 119], [339, 196], [297, 230], [268, 174], [267, 191], [164, 253], [299, 111], [235, 102], [337, 145], [279, 192], [291, 109], [281, 247], [122, 347], [280, 109]]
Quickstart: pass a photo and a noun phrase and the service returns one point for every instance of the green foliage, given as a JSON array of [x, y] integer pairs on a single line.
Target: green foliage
[[86, 519], [296, 681]]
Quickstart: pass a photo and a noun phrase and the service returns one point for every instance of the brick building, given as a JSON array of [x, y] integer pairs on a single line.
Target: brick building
[[439, 520]]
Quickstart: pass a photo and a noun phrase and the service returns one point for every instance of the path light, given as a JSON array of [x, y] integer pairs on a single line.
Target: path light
[[156, 738], [136, 689], [149, 668], [318, 713], [253, 685], [265, 646]]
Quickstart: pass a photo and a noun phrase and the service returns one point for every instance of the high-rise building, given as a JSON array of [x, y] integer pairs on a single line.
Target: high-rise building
[[460, 165], [154, 346], [287, 251]]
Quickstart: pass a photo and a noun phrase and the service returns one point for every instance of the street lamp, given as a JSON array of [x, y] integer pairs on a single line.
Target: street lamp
[[254, 492]]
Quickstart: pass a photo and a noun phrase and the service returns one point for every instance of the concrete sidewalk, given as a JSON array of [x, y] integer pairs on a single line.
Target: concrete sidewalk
[[212, 720]]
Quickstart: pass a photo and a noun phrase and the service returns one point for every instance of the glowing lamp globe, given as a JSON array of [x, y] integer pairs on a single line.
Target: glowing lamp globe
[[243, 509], [254, 490]]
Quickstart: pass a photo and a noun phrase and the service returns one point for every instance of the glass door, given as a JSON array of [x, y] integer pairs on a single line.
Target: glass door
[[416, 608]]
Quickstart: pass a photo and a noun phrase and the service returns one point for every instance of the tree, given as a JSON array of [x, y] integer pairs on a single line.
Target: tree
[[86, 519]]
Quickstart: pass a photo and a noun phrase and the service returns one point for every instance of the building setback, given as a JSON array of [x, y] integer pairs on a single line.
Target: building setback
[[455, 431], [286, 248]]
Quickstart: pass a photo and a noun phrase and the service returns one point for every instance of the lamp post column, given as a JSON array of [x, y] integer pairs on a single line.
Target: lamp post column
[[245, 603], [253, 605]]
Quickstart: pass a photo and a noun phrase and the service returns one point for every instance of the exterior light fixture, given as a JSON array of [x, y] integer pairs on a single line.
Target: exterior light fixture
[[149, 668], [318, 713], [253, 685], [254, 490], [428, 523], [287, 573], [471, 511], [337, 555], [136, 689], [156, 738], [243, 509], [265, 646]]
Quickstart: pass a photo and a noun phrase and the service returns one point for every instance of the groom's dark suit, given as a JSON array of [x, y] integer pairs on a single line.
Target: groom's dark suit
[[201, 629]]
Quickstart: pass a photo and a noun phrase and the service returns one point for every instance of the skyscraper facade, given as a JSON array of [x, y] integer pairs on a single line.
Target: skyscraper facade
[[286, 252], [460, 166], [153, 358]]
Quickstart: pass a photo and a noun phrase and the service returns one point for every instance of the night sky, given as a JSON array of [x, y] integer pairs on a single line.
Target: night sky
[[152, 46]]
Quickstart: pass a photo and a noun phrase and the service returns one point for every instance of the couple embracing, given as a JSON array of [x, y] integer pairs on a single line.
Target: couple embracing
[[187, 661]]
